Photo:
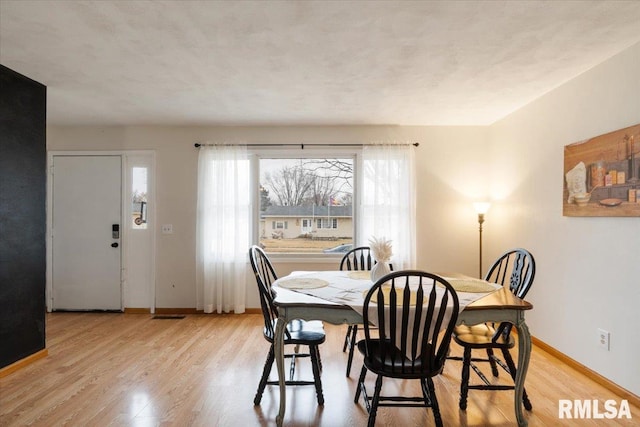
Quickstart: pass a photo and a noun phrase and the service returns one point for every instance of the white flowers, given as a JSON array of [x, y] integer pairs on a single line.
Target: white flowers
[[381, 249]]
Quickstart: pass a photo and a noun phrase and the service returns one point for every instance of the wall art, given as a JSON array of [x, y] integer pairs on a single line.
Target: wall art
[[602, 175]]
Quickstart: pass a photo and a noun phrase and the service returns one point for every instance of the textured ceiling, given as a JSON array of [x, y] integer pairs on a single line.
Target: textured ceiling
[[307, 62]]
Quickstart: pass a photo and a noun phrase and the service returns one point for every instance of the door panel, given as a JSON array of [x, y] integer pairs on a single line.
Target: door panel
[[86, 255]]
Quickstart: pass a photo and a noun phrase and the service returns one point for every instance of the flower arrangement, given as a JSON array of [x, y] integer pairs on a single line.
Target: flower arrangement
[[381, 249]]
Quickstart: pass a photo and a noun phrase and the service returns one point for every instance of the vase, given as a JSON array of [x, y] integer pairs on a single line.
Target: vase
[[380, 269]]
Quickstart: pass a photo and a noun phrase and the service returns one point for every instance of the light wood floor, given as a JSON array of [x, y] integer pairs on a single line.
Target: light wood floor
[[132, 370]]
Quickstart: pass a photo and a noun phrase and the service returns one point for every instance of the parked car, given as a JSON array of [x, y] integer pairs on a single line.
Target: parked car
[[345, 247]]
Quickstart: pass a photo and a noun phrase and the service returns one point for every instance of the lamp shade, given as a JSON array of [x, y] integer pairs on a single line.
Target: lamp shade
[[481, 207]]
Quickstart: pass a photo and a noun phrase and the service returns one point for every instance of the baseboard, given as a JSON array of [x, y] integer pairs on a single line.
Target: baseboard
[[9, 369], [194, 311], [134, 310], [178, 311], [605, 382]]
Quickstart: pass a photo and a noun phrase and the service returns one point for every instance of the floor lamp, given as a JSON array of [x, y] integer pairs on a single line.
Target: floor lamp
[[481, 209]]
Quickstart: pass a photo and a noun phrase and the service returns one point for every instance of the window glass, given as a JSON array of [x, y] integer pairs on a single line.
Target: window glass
[[139, 198], [306, 205]]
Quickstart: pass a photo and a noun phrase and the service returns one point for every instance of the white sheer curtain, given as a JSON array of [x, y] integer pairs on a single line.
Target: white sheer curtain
[[223, 223], [387, 200]]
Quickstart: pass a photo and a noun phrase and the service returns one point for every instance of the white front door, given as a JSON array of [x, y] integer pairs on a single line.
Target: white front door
[[307, 225], [86, 232]]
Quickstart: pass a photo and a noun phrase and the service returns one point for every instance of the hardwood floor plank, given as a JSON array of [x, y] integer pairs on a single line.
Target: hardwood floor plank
[[108, 369]]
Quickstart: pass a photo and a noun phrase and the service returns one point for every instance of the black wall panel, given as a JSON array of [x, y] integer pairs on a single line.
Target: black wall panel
[[23, 105]]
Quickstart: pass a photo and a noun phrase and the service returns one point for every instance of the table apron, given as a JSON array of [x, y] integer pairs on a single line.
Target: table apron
[[475, 317], [348, 316], [335, 317]]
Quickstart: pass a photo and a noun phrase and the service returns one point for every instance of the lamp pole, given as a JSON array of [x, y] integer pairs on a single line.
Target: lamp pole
[[481, 208], [480, 221]]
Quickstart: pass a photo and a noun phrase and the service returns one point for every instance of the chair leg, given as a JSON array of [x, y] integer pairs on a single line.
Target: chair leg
[[292, 366], [354, 332], [265, 376], [319, 359], [492, 362], [363, 373], [346, 338], [434, 402], [374, 402], [464, 382], [314, 352], [512, 370], [426, 395]]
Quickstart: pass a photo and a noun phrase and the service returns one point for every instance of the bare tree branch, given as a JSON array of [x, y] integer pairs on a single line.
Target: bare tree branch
[[312, 182]]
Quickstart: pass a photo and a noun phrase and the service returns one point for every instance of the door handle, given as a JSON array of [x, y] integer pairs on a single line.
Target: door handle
[[114, 245]]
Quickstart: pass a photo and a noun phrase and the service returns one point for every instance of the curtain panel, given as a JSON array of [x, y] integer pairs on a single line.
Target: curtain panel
[[387, 200], [222, 229]]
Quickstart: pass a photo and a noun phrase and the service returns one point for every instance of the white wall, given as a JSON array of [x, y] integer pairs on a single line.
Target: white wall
[[449, 172], [588, 273]]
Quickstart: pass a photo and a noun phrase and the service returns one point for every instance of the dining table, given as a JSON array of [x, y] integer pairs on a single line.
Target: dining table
[[336, 297]]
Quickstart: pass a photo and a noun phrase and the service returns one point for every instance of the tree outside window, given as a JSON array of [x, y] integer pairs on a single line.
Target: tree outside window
[[306, 204]]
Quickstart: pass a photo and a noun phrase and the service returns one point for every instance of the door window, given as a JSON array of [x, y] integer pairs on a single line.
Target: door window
[[139, 200]]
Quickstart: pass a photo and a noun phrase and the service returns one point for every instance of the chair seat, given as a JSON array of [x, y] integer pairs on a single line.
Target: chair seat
[[395, 362], [480, 336], [301, 332]]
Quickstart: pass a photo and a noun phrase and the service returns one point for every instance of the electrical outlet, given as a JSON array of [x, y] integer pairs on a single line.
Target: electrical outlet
[[167, 229], [603, 339]]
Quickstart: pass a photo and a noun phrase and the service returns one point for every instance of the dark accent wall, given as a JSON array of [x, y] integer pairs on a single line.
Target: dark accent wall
[[23, 104]]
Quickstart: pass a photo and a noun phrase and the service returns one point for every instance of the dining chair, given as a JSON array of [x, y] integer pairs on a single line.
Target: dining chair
[[356, 259], [515, 268], [415, 313], [298, 332]]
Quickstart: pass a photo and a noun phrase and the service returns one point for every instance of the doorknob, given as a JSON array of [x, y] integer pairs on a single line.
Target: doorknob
[[114, 245]]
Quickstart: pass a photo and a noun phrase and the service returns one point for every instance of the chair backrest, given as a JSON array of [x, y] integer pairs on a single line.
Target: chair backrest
[[265, 276], [415, 313], [515, 268], [357, 259]]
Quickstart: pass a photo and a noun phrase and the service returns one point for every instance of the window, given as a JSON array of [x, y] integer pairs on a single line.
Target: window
[[327, 223], [306, 203], [139, 198]]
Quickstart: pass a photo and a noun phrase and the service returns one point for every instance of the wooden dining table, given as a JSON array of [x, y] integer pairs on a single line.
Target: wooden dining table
[[498, 306]]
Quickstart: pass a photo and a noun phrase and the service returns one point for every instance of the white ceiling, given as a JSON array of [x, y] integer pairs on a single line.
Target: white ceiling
[[306, 62]]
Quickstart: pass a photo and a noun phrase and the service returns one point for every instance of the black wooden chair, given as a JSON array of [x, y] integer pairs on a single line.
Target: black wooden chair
[[415, 313], [355, 260], [515, 268], [298, 332]]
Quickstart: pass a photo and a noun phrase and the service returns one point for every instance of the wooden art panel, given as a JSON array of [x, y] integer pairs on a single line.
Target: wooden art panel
[[602, 175]]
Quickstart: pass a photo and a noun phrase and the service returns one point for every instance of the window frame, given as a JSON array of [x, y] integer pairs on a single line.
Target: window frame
[[288, 152]]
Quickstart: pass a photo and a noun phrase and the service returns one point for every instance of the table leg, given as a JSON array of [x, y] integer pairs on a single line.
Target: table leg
[[524, 354], [278, 345]]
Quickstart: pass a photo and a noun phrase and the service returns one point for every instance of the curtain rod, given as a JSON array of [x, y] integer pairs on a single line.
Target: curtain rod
[[198, 145]]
